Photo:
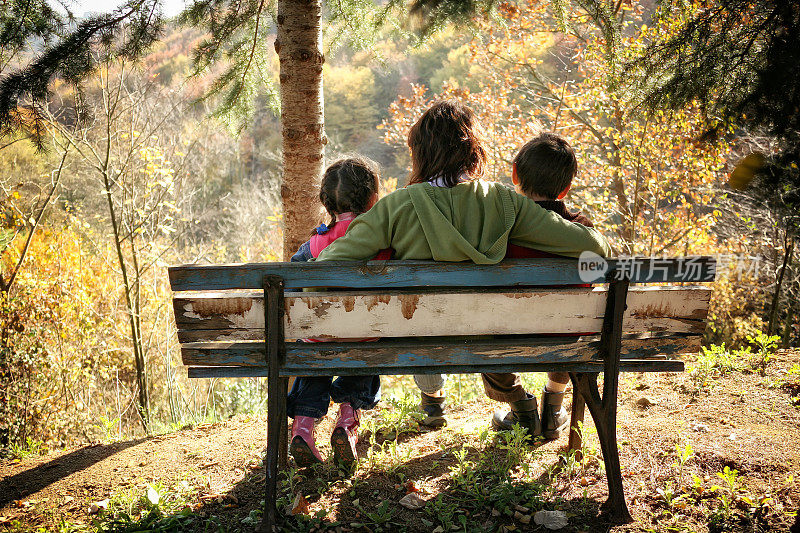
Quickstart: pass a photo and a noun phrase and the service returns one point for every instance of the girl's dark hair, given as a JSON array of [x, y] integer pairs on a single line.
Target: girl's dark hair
[[348, 185], [444, 143]]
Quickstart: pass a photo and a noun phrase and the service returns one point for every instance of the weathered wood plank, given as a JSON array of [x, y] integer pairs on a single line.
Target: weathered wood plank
[[403, 274], [627, 365], [381, 356], [363, 314]]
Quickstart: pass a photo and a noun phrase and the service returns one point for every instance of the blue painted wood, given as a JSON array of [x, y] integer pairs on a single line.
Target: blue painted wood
[[626, 365], [412, 274], [384, 355]]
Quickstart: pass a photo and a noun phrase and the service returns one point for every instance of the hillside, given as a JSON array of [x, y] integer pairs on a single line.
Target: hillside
[[208, 477]]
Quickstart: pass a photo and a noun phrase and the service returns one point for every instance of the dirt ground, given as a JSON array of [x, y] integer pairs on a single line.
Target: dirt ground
[[744, 422]]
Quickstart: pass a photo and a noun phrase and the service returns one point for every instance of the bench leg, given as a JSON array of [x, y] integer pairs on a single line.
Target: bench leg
[[576, 420], [276, 451], [604, 414], [283, 436], [276, 399]]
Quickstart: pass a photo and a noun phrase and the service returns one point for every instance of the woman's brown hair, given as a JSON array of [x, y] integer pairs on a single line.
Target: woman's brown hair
[[444, 143]]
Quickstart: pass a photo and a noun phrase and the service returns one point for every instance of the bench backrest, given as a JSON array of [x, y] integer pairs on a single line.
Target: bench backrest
[[421, 310]]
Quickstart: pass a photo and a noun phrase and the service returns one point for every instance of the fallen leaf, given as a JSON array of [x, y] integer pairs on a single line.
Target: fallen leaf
[[411, 487], [412, 501], [300, 505]]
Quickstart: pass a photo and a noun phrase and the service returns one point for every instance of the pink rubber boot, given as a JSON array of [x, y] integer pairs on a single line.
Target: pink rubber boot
[[345, 435], [303, 448]]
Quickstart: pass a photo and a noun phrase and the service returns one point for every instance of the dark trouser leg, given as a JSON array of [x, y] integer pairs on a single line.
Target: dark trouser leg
[[558, 377], [504, 387], [362, 392], [309, 396]]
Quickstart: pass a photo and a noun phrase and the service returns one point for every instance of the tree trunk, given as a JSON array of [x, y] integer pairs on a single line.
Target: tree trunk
[[788, 323], [299, 47], [776, 297]]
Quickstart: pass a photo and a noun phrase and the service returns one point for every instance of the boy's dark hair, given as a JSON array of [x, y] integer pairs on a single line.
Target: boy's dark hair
[[546, 166], [444, 143], [348, 185]]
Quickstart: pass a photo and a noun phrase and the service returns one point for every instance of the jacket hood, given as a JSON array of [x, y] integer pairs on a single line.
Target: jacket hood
[[456, 216]]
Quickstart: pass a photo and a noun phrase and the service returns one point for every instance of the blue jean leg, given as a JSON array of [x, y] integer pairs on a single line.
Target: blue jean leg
[[309, 396], [362, 392]]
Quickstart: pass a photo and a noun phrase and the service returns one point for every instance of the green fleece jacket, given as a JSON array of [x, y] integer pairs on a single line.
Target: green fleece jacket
[[472, 221]]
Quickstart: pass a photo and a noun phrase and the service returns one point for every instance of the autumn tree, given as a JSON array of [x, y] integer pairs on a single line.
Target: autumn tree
[[135, 154], [741, 61], [238, 36], [641, 174]]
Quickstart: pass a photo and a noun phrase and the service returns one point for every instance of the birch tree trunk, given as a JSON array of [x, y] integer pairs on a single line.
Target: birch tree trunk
[[299, 48]]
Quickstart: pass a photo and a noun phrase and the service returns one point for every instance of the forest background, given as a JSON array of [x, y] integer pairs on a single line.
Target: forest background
[[157, 176]]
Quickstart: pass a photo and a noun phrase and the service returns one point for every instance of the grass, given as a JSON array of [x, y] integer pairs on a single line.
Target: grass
[[31, 447], [490, 482]]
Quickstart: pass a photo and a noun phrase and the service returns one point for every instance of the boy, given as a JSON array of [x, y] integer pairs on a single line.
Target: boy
[[543, 171]]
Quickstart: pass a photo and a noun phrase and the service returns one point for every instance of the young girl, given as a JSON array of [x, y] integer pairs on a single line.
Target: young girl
[[349, 188]]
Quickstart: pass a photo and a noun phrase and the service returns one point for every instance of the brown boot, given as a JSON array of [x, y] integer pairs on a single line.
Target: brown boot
[[523, 412], [434, 408], [554, 417]]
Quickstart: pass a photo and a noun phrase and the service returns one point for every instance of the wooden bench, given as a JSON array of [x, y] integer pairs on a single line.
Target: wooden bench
[[517, 316]]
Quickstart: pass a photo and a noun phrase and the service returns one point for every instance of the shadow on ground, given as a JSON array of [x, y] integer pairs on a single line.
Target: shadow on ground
[[370, 502], [27, 482]]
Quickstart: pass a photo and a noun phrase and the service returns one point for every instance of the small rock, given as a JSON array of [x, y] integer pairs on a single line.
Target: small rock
[[152, 495], [551, 519], [700, 428], [96, 507], [644, 402], [439, 529], [412, 501]]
